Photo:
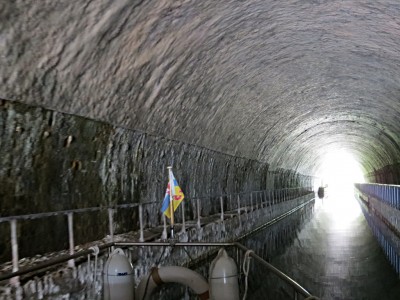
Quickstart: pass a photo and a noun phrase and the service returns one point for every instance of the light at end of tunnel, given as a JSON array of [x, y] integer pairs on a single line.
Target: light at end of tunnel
[[339, 170]]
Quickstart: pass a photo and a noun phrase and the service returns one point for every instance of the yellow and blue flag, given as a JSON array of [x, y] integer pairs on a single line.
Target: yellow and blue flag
[[177, 197]]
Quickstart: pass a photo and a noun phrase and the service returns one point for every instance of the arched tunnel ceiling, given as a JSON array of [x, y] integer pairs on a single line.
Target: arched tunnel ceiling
[[279, 81]]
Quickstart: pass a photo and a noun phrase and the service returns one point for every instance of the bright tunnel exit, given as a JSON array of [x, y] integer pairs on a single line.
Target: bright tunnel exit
[[339, 171]]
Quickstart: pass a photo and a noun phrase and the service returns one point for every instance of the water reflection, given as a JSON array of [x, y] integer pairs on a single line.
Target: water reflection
[[342, 207], [272, 243], [334, 255]]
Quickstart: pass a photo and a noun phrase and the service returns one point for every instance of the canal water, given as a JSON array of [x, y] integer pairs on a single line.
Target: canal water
[[326, 246], [332, 253]]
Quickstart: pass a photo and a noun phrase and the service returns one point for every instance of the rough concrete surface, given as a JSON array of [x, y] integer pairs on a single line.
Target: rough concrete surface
[[50, 161], [283, 82]]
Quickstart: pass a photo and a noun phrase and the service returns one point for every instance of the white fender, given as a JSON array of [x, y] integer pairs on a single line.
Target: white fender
[[118, 278], [175, 274], [223, 278]]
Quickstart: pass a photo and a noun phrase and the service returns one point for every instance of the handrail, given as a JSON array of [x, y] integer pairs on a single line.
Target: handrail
[[294, 284], [129, 205], [381, 208], [389, 194], [66, 212], [378, 184], [53, 262], [234, 203]]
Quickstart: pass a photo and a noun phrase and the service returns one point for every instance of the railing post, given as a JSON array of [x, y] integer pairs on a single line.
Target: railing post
[[251, 201], [265, 198], [387, 195], [246, 203], [271, 197], [183, 229], [221, 200], [238, 203], [14, 248], [394, 196], [164, 233], [141, 238], [70, 216], [111, 223], [198, 214]]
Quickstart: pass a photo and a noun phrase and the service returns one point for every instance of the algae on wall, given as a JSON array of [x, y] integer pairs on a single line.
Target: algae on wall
[[51, 161]]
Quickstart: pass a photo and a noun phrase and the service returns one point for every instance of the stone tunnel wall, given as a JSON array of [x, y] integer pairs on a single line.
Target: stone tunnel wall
[[387, 175], [51, 161]]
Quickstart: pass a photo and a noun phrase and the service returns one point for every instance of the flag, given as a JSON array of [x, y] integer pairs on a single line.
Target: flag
[[177, 196]]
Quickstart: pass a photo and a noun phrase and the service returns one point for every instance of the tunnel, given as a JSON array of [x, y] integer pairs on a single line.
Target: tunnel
[[98, 98]]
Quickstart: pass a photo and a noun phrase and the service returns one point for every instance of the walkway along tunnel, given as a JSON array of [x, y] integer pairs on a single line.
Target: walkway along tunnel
[[262, 98]]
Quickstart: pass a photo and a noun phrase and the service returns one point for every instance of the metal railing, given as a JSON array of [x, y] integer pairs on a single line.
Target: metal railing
[[383, 219], [297, 288], [390, 194], [190, 210], [388, 242]]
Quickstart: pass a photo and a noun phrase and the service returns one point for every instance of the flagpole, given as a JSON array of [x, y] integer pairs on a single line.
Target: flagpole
[[171, 198]]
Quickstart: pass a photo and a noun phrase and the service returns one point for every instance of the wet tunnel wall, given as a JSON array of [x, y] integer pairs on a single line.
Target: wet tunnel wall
[[50, 161], [387, 175], [235, 94], [281, 82]]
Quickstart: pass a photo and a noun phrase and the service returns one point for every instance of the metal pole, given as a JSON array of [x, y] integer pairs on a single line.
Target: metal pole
[[52, 262], [71, 262], [198, 214], [265, 198], [141, 238], [221, 200], [261, 200], [164, 233], [14, 248], [183, 217], [246, 203], [270, 201], [299, 289], [273, 196], [171, 202], [280, 274], [256, 201], [178, 244], [111, 223]]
